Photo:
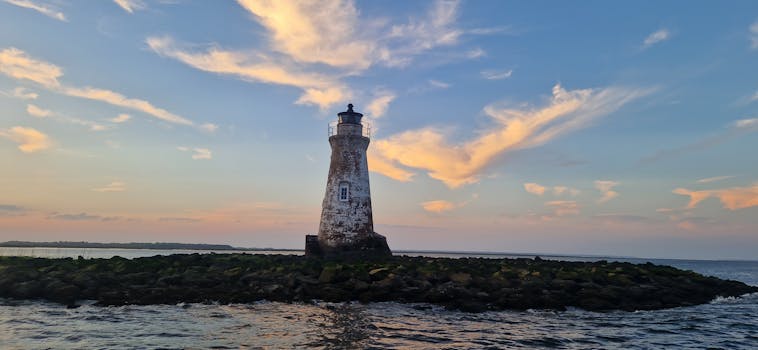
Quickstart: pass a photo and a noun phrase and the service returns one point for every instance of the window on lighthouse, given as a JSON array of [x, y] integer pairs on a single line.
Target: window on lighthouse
[[344, 191]]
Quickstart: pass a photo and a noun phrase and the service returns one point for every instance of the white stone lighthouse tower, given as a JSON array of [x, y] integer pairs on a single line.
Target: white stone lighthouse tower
[[347, 226]]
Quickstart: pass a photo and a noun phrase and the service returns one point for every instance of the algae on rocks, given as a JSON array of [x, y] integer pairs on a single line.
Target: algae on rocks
[[469, 284]]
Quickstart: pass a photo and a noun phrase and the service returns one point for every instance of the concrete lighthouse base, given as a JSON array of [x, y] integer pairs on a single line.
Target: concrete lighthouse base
[[371, 245]]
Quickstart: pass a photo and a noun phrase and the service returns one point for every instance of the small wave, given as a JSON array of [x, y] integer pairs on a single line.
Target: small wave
[[732, 300]]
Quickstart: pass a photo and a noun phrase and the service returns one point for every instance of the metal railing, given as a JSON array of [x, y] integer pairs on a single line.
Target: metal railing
[[365, 130]]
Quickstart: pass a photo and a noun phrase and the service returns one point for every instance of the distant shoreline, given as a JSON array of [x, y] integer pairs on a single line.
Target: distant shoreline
[[423, 252], [131, 245]]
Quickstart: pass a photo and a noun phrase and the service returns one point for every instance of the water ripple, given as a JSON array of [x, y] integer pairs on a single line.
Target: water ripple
[[725, 323]]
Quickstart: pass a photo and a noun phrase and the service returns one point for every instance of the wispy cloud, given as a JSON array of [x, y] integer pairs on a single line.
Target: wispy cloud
[[130, 5], [313, 45], [318, 89], [429, 148], [733, 198], [656, 37], [539, 190], [563, 208], [684, 219], [20, 93], [40, 7], [202, 153], [29, 140], [81, 217], [733, 130], [9, 207], [379, 104], [314, 31], [114, 186], [117, 99], [476, 53], [747, 124], [209, 127], [9, 210], [714, 179], [121, 118], [183, 220], [18, 65], [438, 84], [440, 206], [561, 190], [606, 187], [754, 37], [92, 126], [534, 188], [197, 153], [436, 28], [38, 112], [496, 75], [381, 165]]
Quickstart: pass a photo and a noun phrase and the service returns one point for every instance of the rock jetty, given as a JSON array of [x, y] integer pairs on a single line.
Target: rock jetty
[[468, 284]]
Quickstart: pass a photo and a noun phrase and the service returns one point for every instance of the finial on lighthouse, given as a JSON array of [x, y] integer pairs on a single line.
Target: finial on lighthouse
[[349, 116]]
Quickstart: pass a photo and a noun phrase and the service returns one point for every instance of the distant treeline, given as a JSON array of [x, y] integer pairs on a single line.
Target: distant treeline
[[161, 246]]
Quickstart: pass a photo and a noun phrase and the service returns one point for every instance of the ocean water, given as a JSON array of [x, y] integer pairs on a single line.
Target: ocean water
[[730, 323]]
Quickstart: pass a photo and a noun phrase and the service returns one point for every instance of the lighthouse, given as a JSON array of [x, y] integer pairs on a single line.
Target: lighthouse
[[347, 224]]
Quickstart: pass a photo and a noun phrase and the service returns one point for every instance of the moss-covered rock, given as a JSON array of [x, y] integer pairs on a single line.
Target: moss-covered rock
[[468, 284]]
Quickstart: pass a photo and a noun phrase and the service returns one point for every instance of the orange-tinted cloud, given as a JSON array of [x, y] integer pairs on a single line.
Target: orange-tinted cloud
[[733, 198], [438, 206], [314, 44], [20, 93], [314, 31], [18, 65], [378, 106], [29, 140], [563, 208], [537, 189], [378, 164], [37, 111], [39, 7], [120, 100], [430, 149], [606, 186], [534, 188], [319, 89]]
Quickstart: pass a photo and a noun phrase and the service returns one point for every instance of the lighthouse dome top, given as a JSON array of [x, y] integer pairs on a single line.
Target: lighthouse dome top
[[349, 116]]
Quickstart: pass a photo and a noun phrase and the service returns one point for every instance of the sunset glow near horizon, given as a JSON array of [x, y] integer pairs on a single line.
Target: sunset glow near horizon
[[604, 128]]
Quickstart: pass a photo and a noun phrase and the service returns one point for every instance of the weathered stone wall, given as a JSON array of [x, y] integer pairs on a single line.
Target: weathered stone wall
[[347, 222]]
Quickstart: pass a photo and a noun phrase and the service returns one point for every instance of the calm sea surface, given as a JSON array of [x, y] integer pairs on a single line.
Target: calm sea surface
[[721, 324]]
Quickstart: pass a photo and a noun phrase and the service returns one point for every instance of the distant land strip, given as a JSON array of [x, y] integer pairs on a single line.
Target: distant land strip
[[132, 245]]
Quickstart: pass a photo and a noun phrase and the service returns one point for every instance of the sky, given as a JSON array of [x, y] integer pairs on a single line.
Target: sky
[[623, 128]]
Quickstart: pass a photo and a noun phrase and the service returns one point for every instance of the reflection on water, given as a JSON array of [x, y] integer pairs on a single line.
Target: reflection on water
[[725, 324], [343, 326], [730, 323]]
